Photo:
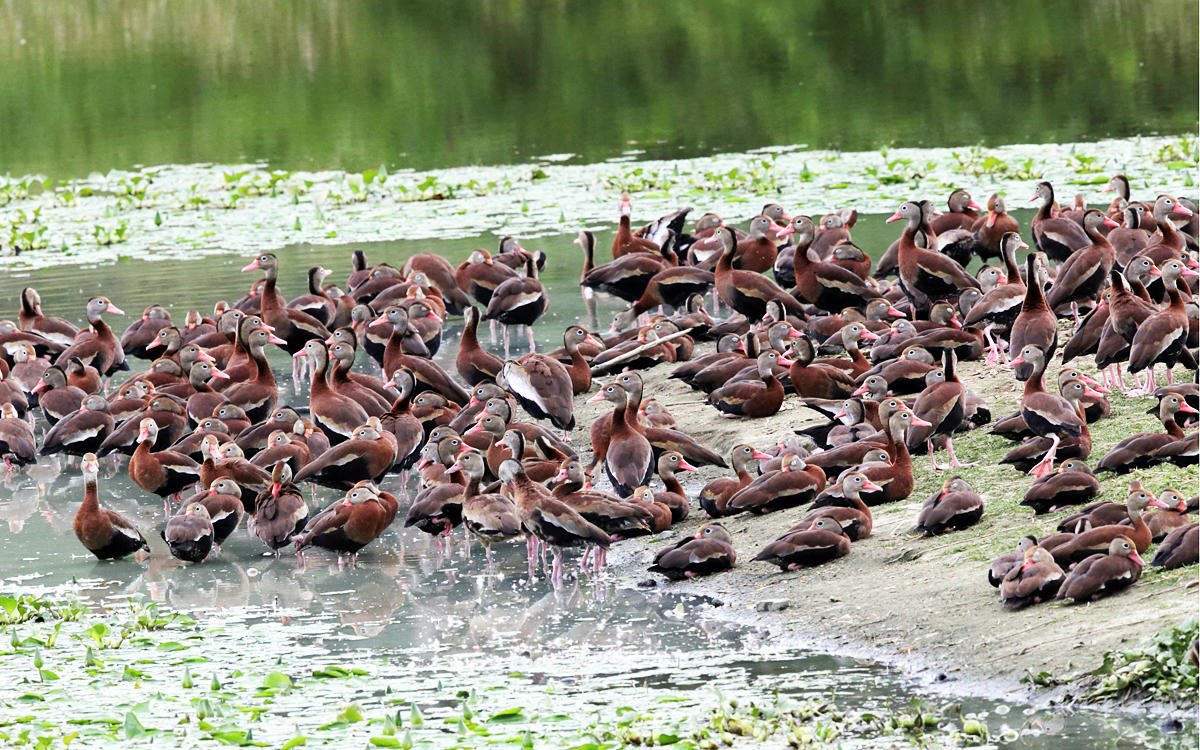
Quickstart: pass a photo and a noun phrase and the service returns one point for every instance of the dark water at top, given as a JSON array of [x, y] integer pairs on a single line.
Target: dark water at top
[[331, 84]]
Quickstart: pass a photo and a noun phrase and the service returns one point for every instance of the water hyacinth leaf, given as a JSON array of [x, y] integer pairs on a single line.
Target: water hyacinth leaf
[[507, 715], [294, 742], [352, 714], [277, 680], [385, 741], [415, 717], [133, 727], [187, 682]]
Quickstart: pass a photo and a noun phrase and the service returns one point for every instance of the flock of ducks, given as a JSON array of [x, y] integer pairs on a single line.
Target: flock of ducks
[[876, 353]]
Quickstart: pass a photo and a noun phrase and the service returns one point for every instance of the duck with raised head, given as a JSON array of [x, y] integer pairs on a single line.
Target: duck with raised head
[[628, 456], [854, 516], [956, 506], [97, 346], [823, 541], [1103, 574], [1045, 413], [825, 285], [491, 518], [105, 533], [745, 291], [293, 327], [31, 318], [1083, 275], [943, 405], [1055, 236], [714, 497], [1136, 451], [926, 276], [165, 472], [811, 379], [625, 241], [315, 303], [1169, 242], [709, 550], [1036, 323], [1095, 541], [279, 512], [1162, 338], [519, 301], [1005, 563], [1072, 484], [673, 494], [474, 364], [578, 369], [1037, 579], [1072, 391], [961, 213], [547, 519], [337, 415]]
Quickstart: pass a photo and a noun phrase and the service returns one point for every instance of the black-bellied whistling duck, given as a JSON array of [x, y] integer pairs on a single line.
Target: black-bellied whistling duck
[[315, 303], [438, 271], [81, 431], [479, 396], [823, 541], [519, 301], [757, 252], [1095, 540], [961, 215], [166, 412], [989, 230], [144, 330], [475, 365], [404, 340], [855, 518], [1006, 562], [428, 325], [709, 551], [673, 286], [365, 456], [258, 437], [542, 386], [164, 473], [337, 415], [369, 394], [1036, 323], [925, 275], [673, 495], [1168, 243], [189, 535], [714, 497], [955, 506], [548, 519], [849, 337], [283, 446], [540, 467], [627, 277], [31, 318], [579, 370], [1055, 236], [1103, 574], [628, 458], [1181, 452], [223, 501], [1130, 238], [792, 485], [27, 369], [625, 241], [745, 291], [654, 414], [1037, 579], [279, 511], [225, 460], [192, 444], [293, 327], [1170, 514], [853, 259], [903, 376], [814, 380], [130, 398], [753, 398], [943, 405], [825, 285], [721, 370], [1072, 391], [233, 417], [18, 446], [1181, 547], [257, 396], [97, 347], [106, 534], [619, 518], [491, 518], [1162, 338], [437, 509], [1072, 484], [1083, 275], [1136, 451], [479, 275], [1045, 413], [349, 524]]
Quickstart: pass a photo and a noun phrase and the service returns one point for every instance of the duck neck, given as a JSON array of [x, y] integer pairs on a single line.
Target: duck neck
[[91, 497]]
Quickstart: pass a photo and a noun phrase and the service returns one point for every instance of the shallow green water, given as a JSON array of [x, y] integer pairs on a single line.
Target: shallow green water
[[316, 84]]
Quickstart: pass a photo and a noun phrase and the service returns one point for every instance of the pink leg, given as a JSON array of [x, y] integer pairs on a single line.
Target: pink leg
[[993, 356], [532, 345], [491, 562], [1150, 382], [506, 342], [583, 560], [932, 463], [1046, 465], [556, 576], [954, 462], [1169, 380], [492, 330]]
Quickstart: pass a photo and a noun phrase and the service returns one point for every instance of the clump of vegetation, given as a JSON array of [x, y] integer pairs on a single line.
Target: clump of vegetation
[[1163, 669], [26, 231], [976, 163], [1180, 154], [111, 234], [15, 610]]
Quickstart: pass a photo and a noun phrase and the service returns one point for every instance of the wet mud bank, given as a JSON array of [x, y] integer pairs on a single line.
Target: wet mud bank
[[922, 604]]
